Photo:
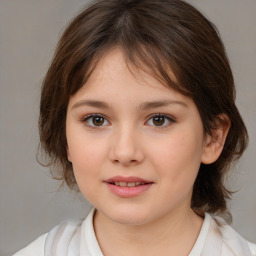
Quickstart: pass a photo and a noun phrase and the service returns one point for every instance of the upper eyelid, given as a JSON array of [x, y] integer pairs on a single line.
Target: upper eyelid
[[149, 116], [84, 117], [163, 115], [168, 116]]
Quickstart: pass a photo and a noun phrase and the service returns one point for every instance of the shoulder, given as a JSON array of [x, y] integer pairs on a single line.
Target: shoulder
[[58, 238], [234, 241], [35, 248], [252, 248], [64, 238]]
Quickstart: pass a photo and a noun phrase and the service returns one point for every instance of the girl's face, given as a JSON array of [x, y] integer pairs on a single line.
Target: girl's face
[[135, 145]]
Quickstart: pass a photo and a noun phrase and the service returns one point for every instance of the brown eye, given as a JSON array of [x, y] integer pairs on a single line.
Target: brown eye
[[95, 120], [98, 120], [158, 120]]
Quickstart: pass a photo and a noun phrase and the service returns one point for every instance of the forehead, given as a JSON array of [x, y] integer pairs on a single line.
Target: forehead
[[113, 80], [115, 64]]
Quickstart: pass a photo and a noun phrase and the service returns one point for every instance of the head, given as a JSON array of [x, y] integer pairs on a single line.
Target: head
[[175, 44]]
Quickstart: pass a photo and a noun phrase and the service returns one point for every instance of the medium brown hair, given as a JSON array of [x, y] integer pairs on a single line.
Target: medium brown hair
[[158, 36]]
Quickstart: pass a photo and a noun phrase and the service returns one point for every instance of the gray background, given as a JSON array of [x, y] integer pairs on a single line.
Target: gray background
[[30, 203]]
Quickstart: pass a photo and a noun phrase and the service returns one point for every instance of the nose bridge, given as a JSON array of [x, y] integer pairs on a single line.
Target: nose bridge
[[126, 145]]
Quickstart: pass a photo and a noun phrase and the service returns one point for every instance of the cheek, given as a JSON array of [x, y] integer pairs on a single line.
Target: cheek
[[86, 158], [82, 147], [178, 157], [87, 162], [87, 155]]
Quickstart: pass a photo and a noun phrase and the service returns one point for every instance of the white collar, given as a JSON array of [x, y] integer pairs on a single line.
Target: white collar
[[89, 244], [213, 240]]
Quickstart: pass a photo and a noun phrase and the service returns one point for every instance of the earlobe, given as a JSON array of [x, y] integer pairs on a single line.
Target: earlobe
[[214, 143], [68, 155]]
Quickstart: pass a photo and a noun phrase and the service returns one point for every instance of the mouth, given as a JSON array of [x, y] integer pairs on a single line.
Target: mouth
[[128, 186]]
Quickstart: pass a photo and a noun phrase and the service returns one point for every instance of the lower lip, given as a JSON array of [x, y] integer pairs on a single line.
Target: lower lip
[[127, 192]]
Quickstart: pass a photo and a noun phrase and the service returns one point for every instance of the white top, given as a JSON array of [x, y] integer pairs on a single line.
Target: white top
[[78, 239]]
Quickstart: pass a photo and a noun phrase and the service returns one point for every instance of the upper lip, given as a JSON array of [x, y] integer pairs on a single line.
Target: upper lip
[[126, 179]]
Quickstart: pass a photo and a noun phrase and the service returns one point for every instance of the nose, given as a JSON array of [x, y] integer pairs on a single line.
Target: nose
[[126, 147]]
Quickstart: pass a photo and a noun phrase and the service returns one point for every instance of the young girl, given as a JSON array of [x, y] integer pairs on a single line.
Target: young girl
[[137, 108]]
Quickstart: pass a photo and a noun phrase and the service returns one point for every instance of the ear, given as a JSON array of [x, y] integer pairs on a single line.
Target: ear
[[68, 154], [214, 143]]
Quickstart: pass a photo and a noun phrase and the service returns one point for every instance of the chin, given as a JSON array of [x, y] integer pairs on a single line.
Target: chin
[[131, 220], [128, 216]]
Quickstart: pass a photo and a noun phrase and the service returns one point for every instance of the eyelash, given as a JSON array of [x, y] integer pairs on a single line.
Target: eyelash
[[91, 116], [166, 117]]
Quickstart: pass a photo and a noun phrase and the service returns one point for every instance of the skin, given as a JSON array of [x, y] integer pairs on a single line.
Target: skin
[[128, 143]]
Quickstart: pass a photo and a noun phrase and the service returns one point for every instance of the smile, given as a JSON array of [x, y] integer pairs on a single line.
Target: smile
[[128, 186]]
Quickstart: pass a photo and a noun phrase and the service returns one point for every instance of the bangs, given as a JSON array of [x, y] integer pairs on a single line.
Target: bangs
[[145, 58], [157, 43]]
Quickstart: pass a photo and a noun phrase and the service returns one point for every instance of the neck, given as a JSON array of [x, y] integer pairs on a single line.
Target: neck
[[172, 234]]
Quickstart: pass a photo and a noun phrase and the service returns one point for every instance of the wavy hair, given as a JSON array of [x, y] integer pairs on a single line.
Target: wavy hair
[[158, 36]]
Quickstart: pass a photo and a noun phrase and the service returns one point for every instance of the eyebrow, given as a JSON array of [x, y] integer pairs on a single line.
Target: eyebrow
[[91, 103], [161, 103], [143, 106]]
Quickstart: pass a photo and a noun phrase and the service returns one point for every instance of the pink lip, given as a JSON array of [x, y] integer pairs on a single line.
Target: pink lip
[[126, 179], [127, 192]]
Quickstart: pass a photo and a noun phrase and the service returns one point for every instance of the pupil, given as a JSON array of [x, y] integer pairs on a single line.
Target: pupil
[[98, 121], [158, 121]]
